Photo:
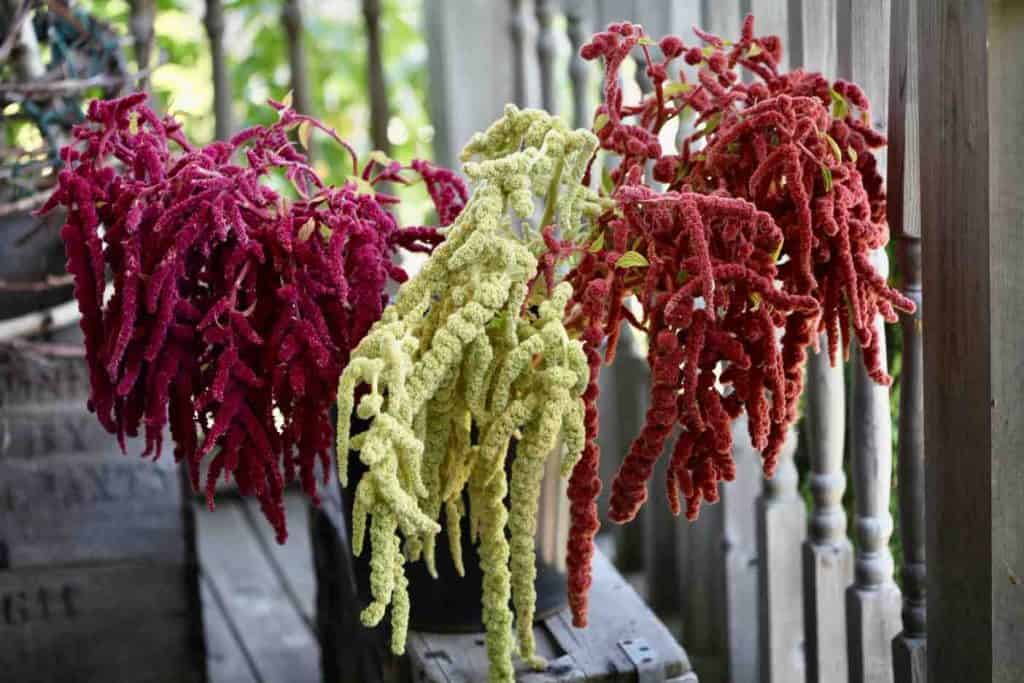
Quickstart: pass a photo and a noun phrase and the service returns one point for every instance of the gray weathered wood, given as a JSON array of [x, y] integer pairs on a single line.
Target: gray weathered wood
[[739, 575], [972, 162], [546, 47], [909, 647], [873, 602], [291, 17], [812, 35], [120, 621], [827, 552], [578, 30], [293, 561], [227, 660], [721, 17], [517, 34], [275, 635], [213, 20], [782, 525], [771, 18], [469, 43], [618, 618]]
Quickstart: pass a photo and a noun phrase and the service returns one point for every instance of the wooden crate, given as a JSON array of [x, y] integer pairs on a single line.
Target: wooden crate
[[98, 571]]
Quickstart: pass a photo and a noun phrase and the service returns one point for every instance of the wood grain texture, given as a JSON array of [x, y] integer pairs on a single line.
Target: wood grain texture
[[275, 635], [909, 648], [575, 655], [121, 621], [972, 209]]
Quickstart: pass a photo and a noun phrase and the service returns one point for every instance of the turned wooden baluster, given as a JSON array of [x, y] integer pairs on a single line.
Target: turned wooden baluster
[[517, 31], [827, 552], [213, 21], [579, 70], [546, 46], [909, 650], [873, 601]]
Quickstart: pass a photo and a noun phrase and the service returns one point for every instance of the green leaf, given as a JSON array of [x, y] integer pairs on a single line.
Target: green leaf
[[632, 259], [305, 130], [645, 41], [600, 122], [840, 108], [754, 50], [836, 152], [826, 176], [597, 244], [853, 154], [708, 50], [777, 250], [673, 89], [287, 100]]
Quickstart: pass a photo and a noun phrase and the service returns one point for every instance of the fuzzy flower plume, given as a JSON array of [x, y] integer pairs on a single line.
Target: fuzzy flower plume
[[234, 305], [472, 354], [756, 238]]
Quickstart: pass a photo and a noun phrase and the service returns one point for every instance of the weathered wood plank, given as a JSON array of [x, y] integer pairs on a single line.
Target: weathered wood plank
[[909, 648], [100, 623], [828, 554], [721, 17], [226, 658], [597, 654], [546, 48], [275, 635], [293, 561], [782, 525], [972, 199], [812, 35], [873, 602]]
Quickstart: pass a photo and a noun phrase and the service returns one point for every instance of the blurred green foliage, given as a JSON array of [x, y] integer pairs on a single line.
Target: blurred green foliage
[[257, 50]]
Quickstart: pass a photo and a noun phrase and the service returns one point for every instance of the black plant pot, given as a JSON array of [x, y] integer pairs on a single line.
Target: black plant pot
[[450, 603]]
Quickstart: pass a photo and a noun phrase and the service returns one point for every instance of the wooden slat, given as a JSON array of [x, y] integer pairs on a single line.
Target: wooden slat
[[142, 14], [121, 621], [827, 552], [275, 636], [293, 561], [578, 30], [909, 648], [782, 525], [873, 602], [771, 18], [972, 151], [225, 655], [546, 47], [721, 17], [517, 33], [213, 20], [595, 654], [740, 555]]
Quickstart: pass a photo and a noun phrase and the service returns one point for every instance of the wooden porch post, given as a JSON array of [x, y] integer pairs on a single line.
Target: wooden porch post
[[972, 166]]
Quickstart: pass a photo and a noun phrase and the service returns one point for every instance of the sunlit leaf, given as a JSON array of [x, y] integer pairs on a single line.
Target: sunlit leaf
[[632, 259]]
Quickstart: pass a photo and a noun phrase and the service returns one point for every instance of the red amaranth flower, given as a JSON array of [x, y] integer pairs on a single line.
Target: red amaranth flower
[[760, 240], [234, 306]]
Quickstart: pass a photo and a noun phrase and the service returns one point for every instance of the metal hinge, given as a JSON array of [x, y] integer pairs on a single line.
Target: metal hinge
[[649, 669]]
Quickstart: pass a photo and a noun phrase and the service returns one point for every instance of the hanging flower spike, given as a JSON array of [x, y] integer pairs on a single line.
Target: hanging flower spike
[[760, 240], [234, 307], [470, 345]]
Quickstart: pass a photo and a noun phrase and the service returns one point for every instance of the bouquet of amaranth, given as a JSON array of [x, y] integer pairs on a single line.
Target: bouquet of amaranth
[[240, 284]]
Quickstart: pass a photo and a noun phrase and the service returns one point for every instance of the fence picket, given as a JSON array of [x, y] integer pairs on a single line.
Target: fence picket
[[546, 47], [578, 31], [909, 649], [873, 601]]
